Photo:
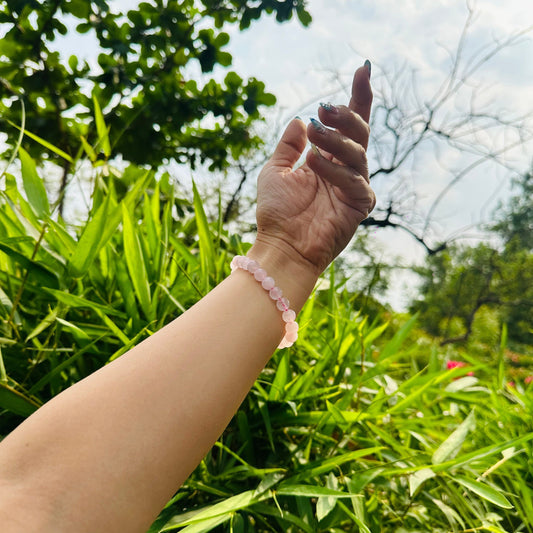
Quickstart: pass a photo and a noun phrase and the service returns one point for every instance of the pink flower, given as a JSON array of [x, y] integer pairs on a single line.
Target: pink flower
[[511, 384], [457, 364], [528, 380]]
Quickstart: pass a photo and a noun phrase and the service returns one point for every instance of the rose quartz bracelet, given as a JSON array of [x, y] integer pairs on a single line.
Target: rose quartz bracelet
[[288, 315]]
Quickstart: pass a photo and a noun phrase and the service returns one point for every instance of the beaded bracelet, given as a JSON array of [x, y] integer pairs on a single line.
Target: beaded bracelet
[[268, 283]]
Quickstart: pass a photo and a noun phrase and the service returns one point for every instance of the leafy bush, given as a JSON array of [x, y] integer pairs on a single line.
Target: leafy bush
[[353, 429]]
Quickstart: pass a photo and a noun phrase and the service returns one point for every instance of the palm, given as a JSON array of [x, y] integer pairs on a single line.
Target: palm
[[316, 218], [313, 211]]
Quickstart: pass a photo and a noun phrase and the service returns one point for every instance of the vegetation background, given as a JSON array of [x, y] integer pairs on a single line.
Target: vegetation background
[[375, 421]]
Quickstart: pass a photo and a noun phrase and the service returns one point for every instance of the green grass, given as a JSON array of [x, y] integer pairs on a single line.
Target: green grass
[[358, 427]]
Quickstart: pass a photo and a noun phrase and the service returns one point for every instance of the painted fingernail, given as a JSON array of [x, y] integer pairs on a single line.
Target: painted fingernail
[[318, 126], [297, 117], [316, 151], [368, 66], [330, 108]]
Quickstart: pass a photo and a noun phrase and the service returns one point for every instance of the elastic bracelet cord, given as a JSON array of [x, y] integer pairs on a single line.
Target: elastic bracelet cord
[[268, 283]]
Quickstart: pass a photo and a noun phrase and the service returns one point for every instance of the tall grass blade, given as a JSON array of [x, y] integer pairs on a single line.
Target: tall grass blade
[[451, 446], [19, 140], [37, 272], [483, 490], [207, 249], [16, 402], [91, 241], [42, 142], [396, 342], [33, 185], [101, 129], [75, 301], [217, 510], [135, 263]]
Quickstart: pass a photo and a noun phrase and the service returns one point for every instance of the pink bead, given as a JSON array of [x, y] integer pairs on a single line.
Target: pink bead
[[252, 266], [234, 264], [284, 344], [275, 293], [282, 304], [260, 274], [291, 326], [268, 283], [288, 316], [244, 262], [291, 336]]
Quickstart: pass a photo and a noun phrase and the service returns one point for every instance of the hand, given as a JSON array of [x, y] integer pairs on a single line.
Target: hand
[[311, 213]]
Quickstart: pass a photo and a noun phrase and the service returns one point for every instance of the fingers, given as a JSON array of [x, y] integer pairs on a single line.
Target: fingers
[[361, 100], [343, 144], [353, 187], [344, 149], [346, 122], [290, 146]]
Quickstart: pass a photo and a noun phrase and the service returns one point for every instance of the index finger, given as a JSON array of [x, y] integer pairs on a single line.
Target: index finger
[[361, 100]]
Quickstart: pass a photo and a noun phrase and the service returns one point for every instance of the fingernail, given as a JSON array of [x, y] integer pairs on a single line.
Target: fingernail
[[368, 66], [316, 151], [318, 126], [330, 108], [297, 117]]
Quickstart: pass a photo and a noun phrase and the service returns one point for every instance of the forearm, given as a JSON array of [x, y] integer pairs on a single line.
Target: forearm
[[108, 453]]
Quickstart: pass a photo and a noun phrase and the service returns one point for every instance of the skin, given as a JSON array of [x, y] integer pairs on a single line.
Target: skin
[[106, 454]]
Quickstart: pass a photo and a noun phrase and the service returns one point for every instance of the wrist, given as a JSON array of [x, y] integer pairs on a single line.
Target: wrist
[[293, 275]]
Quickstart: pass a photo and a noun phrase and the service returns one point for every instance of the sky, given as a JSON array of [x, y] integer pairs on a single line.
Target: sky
[[303, 66]]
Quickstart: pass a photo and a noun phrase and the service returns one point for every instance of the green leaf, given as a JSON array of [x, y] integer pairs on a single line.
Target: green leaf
[[91, 240], [58, 369], [101, 129], [451, 514], [326, 504], [91, 154], [451, 446], [287, 517], [207, 249], [333, 463], [37, 272], [42, 142], [483, 490], [135, 263], [220, 511], [304, 16], [207, 525], [33, 185], [337, 414], [47, 321], [78, 302], [461, 384], [399, 337], [310, 491], [283, 375], [16, 402], [417, 478]]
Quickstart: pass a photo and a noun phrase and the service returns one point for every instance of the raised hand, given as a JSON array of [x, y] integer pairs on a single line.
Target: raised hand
[[312, 212]]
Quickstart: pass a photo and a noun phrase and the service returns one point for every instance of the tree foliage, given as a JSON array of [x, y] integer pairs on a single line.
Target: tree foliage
[[515, 220], [460, 281], [154, 76]]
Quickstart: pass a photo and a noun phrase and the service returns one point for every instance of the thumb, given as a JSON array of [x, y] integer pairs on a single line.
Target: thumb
[[291, 145]]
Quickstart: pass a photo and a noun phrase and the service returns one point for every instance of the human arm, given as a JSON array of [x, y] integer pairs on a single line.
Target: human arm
[[106, 454]]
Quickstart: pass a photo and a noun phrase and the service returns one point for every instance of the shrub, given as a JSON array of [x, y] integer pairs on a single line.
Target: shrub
[[353, 429]]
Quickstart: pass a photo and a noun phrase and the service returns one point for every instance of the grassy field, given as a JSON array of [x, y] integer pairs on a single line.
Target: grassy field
[[361, 426]]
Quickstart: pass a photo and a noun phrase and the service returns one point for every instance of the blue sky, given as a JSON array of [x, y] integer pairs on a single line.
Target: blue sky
[[305, 65]]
